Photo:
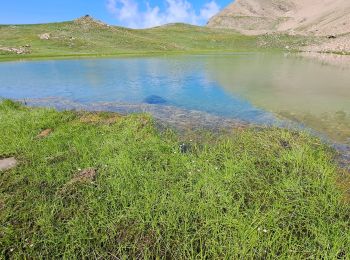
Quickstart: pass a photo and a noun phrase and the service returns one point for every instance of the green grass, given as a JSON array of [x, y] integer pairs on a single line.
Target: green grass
[[253, 193], [87, 38]]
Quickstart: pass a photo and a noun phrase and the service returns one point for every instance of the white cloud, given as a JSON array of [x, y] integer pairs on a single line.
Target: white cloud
[[128, 13], [209, 10]]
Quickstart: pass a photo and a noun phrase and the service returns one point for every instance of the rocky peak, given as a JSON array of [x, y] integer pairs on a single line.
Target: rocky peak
[[89, 21]]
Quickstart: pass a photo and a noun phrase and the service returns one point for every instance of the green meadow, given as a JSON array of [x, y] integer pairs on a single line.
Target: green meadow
[[86, 37], [107, 186]]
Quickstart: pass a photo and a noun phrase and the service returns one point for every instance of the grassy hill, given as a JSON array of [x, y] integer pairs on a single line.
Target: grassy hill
[[86, 36]]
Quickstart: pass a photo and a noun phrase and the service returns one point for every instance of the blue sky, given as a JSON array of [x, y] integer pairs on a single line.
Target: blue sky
[[131, 13]]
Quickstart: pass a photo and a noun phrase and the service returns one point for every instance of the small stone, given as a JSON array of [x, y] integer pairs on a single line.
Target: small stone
[[332, 36], [184, 148], [7, 163]]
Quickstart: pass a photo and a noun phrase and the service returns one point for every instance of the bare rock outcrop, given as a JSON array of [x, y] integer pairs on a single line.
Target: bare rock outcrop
[[44, 36], [88, 21], [15, 50]]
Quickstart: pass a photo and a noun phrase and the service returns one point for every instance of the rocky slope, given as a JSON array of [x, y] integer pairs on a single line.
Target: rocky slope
[[323, 18], [316, 17]]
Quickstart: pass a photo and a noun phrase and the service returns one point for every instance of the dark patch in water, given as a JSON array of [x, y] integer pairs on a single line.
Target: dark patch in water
[[154, 100]]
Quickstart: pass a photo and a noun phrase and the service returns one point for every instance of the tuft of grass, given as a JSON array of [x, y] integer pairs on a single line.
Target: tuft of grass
[[253, 193], [6, 104]]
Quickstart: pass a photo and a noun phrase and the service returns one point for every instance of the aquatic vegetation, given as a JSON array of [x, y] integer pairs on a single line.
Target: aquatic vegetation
[[334, 125], [102, 185]]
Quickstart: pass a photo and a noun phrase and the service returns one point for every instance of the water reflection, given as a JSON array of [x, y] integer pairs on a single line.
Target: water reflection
[[250, 87], [315, 93]]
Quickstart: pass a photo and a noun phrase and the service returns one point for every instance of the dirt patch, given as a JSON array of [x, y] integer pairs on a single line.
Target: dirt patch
[[44, 133], [128, 234], [8, 163], [100, 118], [84, 176], [144, 121]]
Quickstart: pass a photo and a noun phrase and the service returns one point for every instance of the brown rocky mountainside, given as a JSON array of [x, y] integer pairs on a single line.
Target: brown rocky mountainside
[[306, 17]]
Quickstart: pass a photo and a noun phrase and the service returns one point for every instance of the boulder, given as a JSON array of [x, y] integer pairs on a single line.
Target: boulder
[[45, 36], [7, 163]]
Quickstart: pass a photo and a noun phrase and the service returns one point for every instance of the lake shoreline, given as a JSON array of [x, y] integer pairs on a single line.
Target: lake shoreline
[[314, 54], [4, 58], [289, 89], [184, 120]]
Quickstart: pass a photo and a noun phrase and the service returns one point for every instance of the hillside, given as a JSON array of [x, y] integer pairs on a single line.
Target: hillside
[[316, 17], [86, 36], [326, 18]]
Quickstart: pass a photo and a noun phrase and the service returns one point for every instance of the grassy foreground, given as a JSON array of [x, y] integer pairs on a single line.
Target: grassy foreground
[[87, 37], [250, 194]]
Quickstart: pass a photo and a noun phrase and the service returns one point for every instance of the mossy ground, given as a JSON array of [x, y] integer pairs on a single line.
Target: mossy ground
[[252, 193]]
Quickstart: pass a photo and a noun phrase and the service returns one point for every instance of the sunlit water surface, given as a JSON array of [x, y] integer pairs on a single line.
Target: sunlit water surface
[[256, 88]]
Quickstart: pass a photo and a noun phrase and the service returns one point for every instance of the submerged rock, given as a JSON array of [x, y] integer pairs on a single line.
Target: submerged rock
[[7, 163], [155, 100], [166, 115]]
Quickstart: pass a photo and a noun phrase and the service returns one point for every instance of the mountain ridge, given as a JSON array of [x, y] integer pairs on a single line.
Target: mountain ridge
[[304, 17]]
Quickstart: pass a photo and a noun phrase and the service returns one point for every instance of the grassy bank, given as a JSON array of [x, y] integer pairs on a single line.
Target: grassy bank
[[86, 37], [110, 186]]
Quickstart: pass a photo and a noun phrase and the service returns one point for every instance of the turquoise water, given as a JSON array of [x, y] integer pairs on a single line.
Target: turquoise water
[[255, 88], [182, 81]]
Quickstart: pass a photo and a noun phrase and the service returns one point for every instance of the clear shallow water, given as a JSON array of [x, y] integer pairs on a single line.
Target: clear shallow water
[[256, 88]]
